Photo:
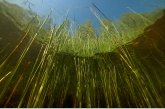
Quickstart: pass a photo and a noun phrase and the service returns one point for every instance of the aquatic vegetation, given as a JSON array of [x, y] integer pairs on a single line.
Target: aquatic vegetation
[[87, 69]]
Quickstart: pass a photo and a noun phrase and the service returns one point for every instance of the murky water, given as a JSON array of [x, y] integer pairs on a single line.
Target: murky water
[[37, 74]]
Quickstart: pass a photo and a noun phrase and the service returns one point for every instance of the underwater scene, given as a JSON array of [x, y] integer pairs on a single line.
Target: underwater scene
[[82, 53]]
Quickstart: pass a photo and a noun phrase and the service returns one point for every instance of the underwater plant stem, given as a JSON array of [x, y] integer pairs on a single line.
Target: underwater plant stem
[[46, 72], [139, 15], [16, 85], [100, 11], [26, 34], [4, 76], [38, 89], [31, 77], [13, 72], [4, 48], [21, 57]]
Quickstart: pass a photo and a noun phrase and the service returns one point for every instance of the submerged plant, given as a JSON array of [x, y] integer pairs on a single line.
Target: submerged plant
[[86, 70]]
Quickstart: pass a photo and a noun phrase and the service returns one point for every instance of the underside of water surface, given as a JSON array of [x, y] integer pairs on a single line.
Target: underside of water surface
[[120, 67]]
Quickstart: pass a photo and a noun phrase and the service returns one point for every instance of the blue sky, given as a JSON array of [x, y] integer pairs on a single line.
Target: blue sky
[[79, 9]]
